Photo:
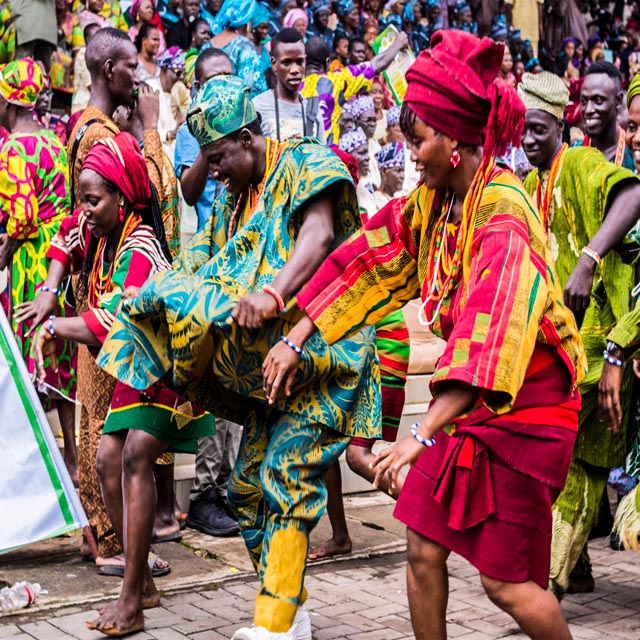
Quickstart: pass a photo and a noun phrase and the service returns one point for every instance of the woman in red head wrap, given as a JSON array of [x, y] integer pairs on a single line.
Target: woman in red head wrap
[[493, 451], [116, 241]]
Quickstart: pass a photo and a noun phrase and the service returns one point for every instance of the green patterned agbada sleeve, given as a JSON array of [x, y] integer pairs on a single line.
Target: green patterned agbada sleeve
[[626, 333]]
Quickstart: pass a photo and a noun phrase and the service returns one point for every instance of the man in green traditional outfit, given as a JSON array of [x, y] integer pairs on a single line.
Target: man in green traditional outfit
[[209, 324], [588, 205]]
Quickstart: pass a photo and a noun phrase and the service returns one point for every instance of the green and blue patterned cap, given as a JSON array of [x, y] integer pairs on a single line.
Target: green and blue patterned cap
[[222, 106]]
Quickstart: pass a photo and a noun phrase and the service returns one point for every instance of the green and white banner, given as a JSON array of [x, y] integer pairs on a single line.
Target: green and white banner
[[37, 497]]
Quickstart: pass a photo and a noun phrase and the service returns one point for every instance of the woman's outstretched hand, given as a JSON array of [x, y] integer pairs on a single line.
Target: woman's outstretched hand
[[41, 307], [279, 368], [390, 461]]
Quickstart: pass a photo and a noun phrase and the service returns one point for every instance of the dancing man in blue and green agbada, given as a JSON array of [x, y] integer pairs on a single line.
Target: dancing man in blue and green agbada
[[209, 324]]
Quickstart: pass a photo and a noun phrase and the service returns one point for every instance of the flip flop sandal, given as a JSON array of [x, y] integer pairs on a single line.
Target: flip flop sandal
[[118, 570], [113, 632], [159, 572], [174, 536]]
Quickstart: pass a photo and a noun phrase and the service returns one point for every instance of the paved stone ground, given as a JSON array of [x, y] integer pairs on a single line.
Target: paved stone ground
[[364, 599]]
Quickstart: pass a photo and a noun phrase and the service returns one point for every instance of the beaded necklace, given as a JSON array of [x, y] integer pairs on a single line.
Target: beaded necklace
[[436, 254], [272, 152], [443, 283], [99, 283], [544, 202]]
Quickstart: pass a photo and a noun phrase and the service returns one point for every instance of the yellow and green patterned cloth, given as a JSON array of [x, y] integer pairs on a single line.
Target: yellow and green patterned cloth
[[178, 324], [21, 82], [110, 10], [7, 33], [34, 200]]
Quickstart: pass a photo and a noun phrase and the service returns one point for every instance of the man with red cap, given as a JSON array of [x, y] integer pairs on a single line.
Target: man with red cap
[[470, 242]]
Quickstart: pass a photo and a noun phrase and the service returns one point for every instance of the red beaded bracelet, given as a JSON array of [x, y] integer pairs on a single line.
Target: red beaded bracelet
[[275, 295]]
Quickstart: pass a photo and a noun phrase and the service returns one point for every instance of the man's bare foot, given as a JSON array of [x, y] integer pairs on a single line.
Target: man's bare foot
[[330, 548], [118, 619], [150, 594], [147, 601]]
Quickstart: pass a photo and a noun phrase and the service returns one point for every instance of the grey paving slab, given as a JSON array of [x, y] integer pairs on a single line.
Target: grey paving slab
[[362, 598]]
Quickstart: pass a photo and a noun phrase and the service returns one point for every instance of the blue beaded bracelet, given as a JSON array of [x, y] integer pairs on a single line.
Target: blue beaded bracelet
[[51, 290], [290, 344], [611, 360], [50, 326], [419, 438]]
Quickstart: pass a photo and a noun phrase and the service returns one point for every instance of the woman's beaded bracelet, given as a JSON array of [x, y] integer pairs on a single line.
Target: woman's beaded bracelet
[[291, 345], [50, 328], [611, 360], [53, 290], [419, 438]]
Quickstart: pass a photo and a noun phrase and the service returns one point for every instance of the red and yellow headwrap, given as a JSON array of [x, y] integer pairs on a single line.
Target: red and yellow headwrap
[[21, 81], [453, 87], [120, 161]]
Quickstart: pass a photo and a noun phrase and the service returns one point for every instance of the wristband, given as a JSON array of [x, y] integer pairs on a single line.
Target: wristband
[[615, 350], [611, 360], [290, 344], [275, 295], [419, 438], [50, 329], [588, 251], [53, 290]]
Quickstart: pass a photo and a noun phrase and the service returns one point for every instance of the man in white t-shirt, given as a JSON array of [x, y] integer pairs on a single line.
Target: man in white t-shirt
[[284, 112]]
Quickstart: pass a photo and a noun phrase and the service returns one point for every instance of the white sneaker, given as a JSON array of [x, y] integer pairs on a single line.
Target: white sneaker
[[261, 633], [301, 627]]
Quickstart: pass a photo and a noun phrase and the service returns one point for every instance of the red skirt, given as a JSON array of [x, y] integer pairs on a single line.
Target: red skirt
[[513, 544], [486, 493]]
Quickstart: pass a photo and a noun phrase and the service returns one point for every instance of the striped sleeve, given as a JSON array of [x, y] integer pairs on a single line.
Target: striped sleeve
[[495, 333], [139, 257], [67, 246], [366, 278]]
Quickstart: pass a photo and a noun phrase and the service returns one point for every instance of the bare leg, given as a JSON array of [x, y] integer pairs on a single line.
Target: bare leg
[[166, 521], [340, 542], [138, 456], [427, 587], [359, 458], [67, 414], [109, 465], [535, 609]]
